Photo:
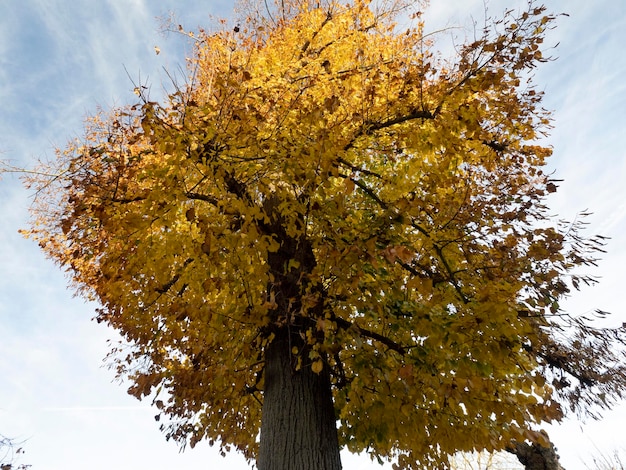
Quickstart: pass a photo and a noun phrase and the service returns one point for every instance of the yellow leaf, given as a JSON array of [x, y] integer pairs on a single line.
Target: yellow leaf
[[317, 366]]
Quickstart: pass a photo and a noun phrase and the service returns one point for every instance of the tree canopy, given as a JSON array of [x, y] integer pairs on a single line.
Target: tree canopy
[[325, 179]]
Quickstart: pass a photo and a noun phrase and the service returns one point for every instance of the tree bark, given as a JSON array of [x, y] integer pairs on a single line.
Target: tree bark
[[298, 428], [536, 457]]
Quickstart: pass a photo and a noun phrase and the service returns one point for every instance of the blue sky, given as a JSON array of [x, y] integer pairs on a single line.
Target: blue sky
[[61, 59]]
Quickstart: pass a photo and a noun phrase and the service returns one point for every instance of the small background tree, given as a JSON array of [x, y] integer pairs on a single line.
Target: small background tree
[[10, 451]]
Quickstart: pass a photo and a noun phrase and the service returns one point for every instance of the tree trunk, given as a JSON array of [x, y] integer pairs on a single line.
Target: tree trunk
[[298, 429], [536, 457]]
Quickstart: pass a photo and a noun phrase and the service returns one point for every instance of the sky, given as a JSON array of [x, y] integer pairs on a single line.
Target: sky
[[62, 59]]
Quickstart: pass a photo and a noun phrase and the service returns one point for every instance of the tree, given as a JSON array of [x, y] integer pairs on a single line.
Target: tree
[[611, 461], [330, 225], [8, 451]]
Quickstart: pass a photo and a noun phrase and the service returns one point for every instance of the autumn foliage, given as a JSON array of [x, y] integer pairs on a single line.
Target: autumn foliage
[[323, 178]]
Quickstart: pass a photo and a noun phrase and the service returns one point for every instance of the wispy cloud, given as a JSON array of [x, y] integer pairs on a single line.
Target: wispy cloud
[[74, 409]]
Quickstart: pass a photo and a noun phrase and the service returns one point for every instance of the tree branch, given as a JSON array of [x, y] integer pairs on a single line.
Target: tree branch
[[357, 169], [202, 197], [415, 114], [345, 324], [367, 190], [369, 127]]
